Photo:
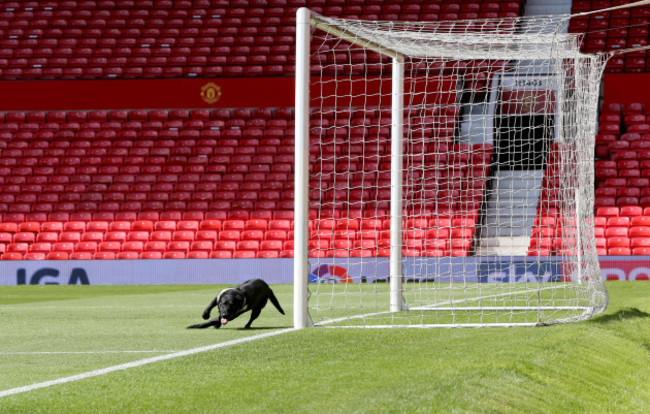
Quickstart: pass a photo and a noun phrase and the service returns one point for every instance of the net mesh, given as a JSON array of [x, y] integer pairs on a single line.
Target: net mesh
[[497, 176]]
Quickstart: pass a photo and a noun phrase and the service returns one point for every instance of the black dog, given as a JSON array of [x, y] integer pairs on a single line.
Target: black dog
[[251, 295]]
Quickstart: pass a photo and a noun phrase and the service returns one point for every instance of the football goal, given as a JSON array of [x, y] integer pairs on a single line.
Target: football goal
[[444, 173]]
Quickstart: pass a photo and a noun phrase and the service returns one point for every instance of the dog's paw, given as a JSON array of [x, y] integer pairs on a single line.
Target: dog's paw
[[206, 315]]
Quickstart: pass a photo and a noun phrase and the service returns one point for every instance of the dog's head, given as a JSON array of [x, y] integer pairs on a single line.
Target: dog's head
[[231, 303]]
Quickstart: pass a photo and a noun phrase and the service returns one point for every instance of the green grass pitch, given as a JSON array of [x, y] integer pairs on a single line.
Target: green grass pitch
[[52, 332]]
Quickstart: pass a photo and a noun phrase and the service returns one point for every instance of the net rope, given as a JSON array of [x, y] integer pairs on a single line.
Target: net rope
[[497, 189]]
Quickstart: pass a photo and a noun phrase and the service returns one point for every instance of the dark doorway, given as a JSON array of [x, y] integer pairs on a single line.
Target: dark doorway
[[523, 142]]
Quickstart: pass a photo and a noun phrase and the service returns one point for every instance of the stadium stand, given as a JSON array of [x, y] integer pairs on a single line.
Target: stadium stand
[[622, 199], [100, 39], [180, 183], [618, 29]]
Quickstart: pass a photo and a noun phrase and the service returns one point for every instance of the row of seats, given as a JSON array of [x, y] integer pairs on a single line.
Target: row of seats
[[617, 29], [622, 168], [604, 213], [623, 235], [557, 235], [552, 233], [369, 237], [256, 9], [135, 254], [174, 190], [96, 183], [90, 40], [122, 4], [622, 173], [239, 116]]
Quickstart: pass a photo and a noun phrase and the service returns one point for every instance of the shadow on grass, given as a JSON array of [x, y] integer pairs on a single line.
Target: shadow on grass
[[623, 314], [263, 328]]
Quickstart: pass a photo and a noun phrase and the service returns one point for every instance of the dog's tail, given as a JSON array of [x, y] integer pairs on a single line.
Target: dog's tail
[[275, 302]]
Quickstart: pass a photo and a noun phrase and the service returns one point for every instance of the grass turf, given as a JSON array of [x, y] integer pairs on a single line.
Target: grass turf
[[597, 366]]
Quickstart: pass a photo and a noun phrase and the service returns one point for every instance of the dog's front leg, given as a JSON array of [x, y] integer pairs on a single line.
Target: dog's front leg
[[216, 322], [206, 312]]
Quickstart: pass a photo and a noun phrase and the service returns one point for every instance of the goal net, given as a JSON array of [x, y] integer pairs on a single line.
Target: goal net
[[444, 173]]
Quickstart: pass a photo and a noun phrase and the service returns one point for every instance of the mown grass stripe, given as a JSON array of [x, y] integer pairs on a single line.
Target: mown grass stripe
[[140, 363]]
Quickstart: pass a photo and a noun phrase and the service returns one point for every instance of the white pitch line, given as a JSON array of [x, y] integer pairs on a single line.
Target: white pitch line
[[69, 307], [162, 351], [140, 363]]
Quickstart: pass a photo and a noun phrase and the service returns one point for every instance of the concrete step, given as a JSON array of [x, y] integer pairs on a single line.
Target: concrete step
[[505, 231], [503, 246]]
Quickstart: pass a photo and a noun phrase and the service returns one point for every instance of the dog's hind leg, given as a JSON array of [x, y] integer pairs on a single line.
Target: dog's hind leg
[[216, 322], [254, 314]]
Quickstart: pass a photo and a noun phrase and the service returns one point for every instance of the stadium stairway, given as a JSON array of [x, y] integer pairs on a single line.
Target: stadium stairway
[[546, 7]]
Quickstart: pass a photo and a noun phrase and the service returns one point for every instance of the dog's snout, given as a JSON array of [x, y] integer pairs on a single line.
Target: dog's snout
[[225, 312]]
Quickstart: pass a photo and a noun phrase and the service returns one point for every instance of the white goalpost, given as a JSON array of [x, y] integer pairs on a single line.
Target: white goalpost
[[444, 173]]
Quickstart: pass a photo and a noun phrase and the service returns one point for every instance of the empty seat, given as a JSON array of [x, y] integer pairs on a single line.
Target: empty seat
[[127, 255], [151, 255], [57, 255]]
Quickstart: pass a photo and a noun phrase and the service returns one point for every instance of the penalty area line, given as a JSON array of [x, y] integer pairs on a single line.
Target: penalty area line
[[140, 363]]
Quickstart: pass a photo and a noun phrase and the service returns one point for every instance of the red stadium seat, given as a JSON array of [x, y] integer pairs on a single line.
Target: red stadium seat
[[618, 221], [104, 255], [151, 255], [286, 253], [268, 254], [607, 211], [640, 221], [639, 231], [40, 248], [230, 235], [143, 225], [202, 245], [618, 242], [188, 225], [221, 254], [155, 246], [165, 225], [81, 255], [619, 251], [248, 245], [178, 246], [57, 256], [161, 235], [631, 211], [198, 255], [208, 235], [174, 255], [127, 255], [24, 237], [133, 246], [109, 246]]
